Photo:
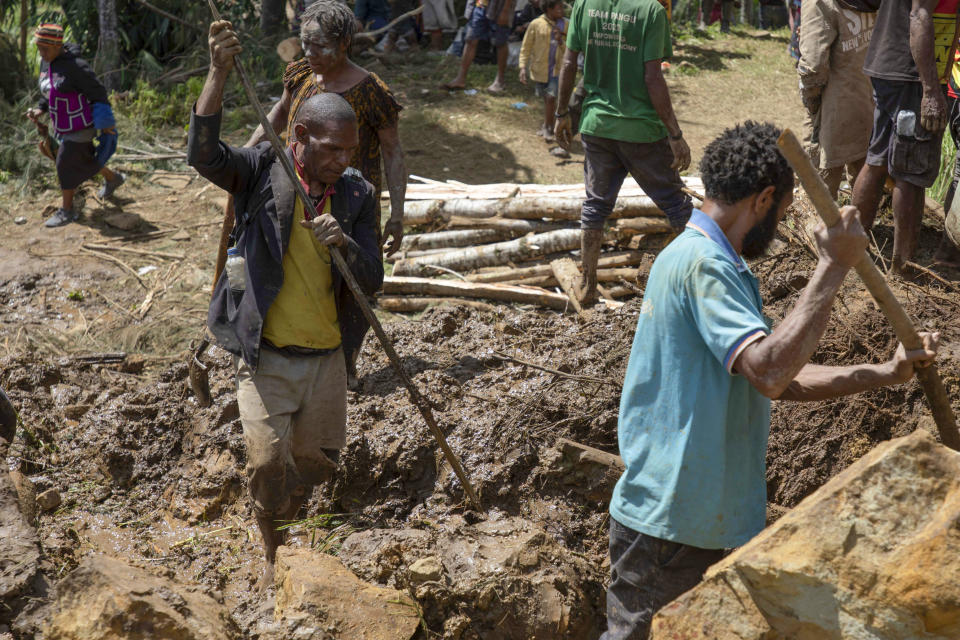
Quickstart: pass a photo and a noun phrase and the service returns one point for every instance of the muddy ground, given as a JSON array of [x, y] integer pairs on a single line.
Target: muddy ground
[[147, 475]]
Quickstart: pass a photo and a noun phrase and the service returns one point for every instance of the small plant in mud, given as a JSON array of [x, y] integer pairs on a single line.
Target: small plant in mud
[[76, 295], [327, 531]]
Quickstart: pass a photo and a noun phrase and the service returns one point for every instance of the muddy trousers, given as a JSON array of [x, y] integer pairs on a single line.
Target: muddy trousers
[[294, 415], [606, 165], [647, 573]]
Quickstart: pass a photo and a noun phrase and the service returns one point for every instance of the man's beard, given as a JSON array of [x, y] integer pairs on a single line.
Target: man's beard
[[760, 236]]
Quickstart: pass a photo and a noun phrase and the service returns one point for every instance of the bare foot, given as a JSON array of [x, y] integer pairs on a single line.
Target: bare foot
[[453, 85], [947, 255], [497, 87], [266, 580]]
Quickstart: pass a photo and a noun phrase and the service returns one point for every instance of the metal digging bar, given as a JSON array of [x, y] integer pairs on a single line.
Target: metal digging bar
[[415, 397]]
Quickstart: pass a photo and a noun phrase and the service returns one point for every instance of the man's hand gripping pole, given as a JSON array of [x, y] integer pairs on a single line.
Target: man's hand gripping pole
[[877, 286], [418, 400]]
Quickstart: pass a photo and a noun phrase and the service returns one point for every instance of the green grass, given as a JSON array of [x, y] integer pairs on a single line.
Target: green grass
[[327, 531], [948, 156]]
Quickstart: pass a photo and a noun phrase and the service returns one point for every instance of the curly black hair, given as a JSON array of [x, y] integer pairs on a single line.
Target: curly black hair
[[334, 19], [745, 160]]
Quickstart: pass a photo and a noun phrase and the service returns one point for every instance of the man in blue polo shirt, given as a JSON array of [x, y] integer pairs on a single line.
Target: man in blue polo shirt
[[695, 409]]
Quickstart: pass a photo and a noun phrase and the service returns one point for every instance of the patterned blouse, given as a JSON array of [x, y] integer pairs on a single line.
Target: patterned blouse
[[371, 99]]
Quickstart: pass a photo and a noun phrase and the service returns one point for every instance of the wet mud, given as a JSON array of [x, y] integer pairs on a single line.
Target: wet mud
[[147, 475]]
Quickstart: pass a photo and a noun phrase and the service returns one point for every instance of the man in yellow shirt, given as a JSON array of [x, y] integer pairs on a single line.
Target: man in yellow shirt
[[278, 308]]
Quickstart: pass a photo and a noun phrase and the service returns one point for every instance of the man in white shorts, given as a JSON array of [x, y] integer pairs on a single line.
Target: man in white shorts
[[438, 16]]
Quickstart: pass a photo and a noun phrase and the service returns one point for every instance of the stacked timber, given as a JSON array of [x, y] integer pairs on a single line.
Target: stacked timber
[[513, 243]]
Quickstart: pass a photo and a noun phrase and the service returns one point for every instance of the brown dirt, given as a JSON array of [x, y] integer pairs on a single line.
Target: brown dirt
[[147, 475]]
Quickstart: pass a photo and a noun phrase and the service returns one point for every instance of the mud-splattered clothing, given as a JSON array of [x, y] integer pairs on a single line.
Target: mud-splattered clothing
[[695, 458], [833, 46], [371, 99]]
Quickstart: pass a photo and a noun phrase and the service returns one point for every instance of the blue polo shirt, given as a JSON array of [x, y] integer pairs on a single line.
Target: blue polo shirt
[[693, 435]]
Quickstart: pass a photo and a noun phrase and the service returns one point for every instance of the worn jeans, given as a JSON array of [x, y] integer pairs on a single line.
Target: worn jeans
[[647, 573], [606, 165]]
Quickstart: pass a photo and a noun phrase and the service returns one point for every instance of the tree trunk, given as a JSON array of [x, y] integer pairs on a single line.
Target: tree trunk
[[108, 50], [632, 226], [272, 16], [494, 254], [505, 293], [410, 304], [517, 226], [619, 259], [447, 239], [23, 33], [603, 275], [544, 207]]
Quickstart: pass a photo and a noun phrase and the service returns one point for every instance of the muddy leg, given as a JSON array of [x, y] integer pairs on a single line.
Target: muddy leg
[[590, 254], [867, 192], [907, 214], [272, 538]]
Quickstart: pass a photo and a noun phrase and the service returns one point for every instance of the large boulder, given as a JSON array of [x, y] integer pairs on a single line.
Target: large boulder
[[19, 545], [873, 554], [506, 575], [317, 595], [107, 599]]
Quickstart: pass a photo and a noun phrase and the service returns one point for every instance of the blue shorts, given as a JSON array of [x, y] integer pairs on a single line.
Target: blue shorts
[[544, 89], [480, 27]]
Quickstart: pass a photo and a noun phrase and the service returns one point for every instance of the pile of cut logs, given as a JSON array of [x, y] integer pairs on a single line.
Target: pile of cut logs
[[513, 243]]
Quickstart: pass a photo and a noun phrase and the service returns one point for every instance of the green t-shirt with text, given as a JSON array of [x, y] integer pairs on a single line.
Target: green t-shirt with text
[[617, 37]]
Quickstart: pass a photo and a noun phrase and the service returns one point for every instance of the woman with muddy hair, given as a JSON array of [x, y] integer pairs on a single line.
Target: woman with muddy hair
[[327, 30]]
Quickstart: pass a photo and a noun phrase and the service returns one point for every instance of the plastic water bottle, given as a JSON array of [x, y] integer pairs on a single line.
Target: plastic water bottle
[[236, 268], [906, 123]]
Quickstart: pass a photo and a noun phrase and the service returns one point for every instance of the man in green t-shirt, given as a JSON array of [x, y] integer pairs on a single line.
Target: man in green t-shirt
[[627, 123]]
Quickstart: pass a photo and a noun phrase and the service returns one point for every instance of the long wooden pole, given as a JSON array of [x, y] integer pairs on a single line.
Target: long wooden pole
[[23, 32], [344, 269], [877, 286]]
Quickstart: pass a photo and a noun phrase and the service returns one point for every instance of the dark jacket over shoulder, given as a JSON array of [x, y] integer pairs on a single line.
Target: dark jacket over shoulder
[[264, 200], [72, 74]]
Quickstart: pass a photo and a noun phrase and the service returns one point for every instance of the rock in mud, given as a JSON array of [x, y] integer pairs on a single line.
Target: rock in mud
[[8, 422], [19, 544], [124, 221], [425, 570], [319, 590], [510, 579], [26, 496], [874, 553], [49, 500], [107, 599]]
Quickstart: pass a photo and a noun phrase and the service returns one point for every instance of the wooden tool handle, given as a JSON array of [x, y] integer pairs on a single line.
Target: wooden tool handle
[[877, 286], [358, 295]]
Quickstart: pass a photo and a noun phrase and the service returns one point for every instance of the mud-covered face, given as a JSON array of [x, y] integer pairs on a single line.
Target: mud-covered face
[[327, 150], [321, 52]]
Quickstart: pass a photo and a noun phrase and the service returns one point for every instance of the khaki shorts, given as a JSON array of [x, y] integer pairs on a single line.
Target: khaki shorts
[[292, 408], [439, 15]]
